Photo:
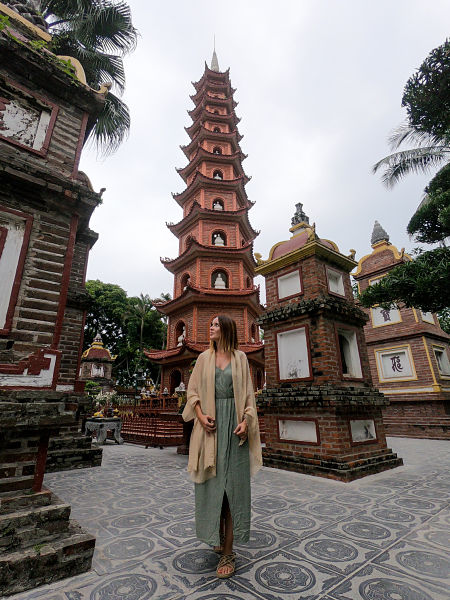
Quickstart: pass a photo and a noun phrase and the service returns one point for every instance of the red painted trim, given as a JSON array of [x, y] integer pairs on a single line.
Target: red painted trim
[[328, 282], [54, 113], [80, 143], [300, 442], [3, 234], [34, 363], [374, 441], [308, 347], [65, 281], [338, 350], [20, 264], [300, 293]]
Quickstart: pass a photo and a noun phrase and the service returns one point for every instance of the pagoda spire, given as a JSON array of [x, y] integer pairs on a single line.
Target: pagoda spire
[[378, 234], [214, 61]]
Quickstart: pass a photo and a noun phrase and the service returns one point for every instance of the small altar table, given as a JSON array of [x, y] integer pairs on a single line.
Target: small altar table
[[101, 426]]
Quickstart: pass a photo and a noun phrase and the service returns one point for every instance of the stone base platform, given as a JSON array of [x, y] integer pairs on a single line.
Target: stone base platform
[[39, 543], [328, 431], [340, 468]]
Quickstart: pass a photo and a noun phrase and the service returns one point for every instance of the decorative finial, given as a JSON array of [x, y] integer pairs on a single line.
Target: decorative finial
[[214, 61], [378, 234], [98, 339], [299, 216]]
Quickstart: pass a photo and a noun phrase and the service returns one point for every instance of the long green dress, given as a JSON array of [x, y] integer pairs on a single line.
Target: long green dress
[[233, 472]]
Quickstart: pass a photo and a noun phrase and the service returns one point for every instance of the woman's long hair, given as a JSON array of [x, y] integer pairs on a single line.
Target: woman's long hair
[[228, 334]]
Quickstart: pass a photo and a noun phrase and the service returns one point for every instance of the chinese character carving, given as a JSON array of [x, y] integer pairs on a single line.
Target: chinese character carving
[[396, 363]]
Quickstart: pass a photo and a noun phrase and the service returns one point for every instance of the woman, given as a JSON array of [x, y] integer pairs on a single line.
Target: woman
[[225, 448]]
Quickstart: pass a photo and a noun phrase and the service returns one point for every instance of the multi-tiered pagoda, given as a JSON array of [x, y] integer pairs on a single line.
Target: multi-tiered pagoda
[[214, 270]]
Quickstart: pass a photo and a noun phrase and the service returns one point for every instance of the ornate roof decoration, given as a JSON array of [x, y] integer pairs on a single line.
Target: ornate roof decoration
[[97, 351], [299, 215], [378, 234]]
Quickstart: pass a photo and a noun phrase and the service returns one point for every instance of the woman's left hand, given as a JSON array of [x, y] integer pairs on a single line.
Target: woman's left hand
[[241, 430]]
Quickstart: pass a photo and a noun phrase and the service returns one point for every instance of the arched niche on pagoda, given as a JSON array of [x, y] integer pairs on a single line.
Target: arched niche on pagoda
[[180, 333], [185, 280], [220, 279], [218, 204], [217, 129], [253, 333], [217, 150], [218, 174], [218, 238], [249, 283]]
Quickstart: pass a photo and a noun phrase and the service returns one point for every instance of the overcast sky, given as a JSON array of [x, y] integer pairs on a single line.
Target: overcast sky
[[319, 85]]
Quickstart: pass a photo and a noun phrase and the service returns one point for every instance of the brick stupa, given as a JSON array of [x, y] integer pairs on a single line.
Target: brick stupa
[[322, 415]]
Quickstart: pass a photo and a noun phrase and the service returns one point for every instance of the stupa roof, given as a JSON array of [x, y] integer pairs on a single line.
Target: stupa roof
[[378, 234], [97, 351]]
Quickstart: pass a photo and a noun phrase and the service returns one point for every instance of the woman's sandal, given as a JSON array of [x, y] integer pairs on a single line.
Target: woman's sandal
[[225, 561]]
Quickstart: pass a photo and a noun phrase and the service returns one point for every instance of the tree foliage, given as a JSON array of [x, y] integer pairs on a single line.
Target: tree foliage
[[427, 94], [426, 98], [127, 325], [98, 33], [421, 283], [424, 282]]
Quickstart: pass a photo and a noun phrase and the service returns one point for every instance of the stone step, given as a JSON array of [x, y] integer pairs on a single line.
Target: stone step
[[31, 526], [65, 442], [81, 458], [16, 469], [66, 556], [13, 501], [11, 484]]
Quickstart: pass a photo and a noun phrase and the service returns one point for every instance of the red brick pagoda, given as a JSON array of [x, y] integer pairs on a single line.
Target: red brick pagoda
[[214, 270]]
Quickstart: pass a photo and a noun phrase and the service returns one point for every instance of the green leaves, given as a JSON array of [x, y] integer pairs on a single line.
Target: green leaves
[[127, 326], [421, 283], [98, 33]]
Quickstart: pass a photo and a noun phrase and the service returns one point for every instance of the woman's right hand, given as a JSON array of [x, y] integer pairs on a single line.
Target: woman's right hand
[[207, 422]]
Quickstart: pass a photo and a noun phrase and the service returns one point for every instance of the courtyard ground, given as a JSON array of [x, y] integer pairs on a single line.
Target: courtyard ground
[[385, 537]]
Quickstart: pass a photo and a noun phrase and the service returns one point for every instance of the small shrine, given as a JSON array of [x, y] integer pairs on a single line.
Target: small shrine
[[96, 364], [409, 353], [322, 414]]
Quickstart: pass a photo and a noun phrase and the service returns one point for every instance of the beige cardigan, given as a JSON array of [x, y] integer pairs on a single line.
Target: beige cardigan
[[201, 388]]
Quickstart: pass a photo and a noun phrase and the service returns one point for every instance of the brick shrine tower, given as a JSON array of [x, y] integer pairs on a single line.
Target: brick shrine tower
[[408, 351], [97, 363], [214, 270], [322, 415], [46, 112]]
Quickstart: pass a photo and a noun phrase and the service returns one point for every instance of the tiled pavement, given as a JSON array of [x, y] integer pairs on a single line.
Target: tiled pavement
[[385, 537]]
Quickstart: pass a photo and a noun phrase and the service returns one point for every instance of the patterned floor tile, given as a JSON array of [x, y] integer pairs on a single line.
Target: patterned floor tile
[[342, 556], [284, 575], [422, 563], [376, 583], [360, 529]]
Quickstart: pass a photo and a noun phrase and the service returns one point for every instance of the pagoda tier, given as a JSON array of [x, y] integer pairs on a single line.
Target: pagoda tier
[[212, 159], [198, 214], [214, 270], [228, 104], [211, 138], [202, 182]]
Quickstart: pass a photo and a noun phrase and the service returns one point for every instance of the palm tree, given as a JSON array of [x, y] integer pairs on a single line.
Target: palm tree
[[98, 33], [139, 309], [430, 151]]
